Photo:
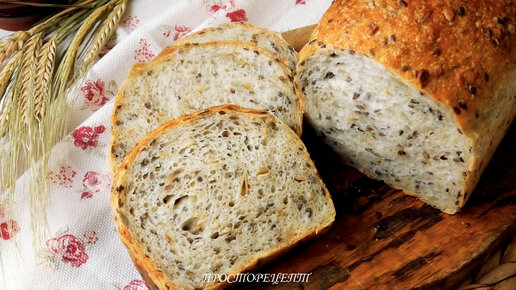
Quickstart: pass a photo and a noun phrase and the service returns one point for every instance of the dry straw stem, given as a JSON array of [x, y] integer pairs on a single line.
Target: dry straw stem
[[45, 68], [55, 20], [106, 29], [28, 76], [56, 5]]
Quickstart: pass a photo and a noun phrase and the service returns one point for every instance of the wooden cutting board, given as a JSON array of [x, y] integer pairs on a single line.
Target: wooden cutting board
[[383, 239]]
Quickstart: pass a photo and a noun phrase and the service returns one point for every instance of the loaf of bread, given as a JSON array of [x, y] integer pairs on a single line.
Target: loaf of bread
[[219, 192], [243, 31], [415, 93], [189, 77]]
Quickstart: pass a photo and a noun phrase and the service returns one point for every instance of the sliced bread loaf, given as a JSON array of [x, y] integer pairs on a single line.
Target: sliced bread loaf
[[269, 40], [186, 78], [411, 95], [217, 192]]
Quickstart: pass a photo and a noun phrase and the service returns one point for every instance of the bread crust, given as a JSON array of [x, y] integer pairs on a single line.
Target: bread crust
[[141, 68], [461, 54], [273, 35], [144, 265], [458, 52]]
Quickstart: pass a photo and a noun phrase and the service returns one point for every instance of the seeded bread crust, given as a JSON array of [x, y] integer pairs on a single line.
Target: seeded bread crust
[[460, 55], [150, 272], [460, 52], [243, 31], [142, 70]]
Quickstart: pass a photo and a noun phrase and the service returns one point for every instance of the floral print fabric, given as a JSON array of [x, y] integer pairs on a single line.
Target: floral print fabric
[[80, 248]]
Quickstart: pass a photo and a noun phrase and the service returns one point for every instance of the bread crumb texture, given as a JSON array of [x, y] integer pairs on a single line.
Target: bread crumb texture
[[183, 79], [216, 192], [243, 31]]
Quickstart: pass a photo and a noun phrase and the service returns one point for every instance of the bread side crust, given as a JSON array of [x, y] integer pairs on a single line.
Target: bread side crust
[[141, 68], [143, 263]]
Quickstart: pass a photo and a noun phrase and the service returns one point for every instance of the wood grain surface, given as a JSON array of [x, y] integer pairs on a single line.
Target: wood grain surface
[[384, 239]]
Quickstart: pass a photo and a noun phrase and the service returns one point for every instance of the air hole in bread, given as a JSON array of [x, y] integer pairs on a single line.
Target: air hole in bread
[[191, 225], [167, 199], [179, 201]]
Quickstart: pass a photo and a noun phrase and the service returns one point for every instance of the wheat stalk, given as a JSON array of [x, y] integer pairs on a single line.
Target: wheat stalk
[[105, 31], [45, 68]]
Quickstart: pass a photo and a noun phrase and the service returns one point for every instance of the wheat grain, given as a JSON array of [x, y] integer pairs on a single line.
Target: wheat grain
[[28, 72], [106, 29], [4, 119], [12, 43], [45, 68], [7, 72]]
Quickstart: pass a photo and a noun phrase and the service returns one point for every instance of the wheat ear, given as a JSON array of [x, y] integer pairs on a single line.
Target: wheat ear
[[106, 29], [45, 68], [68, 63], [7, 72], [28, 76], [13, 43]]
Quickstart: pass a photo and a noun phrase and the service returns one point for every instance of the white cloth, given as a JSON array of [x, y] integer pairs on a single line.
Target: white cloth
[[83, 250]]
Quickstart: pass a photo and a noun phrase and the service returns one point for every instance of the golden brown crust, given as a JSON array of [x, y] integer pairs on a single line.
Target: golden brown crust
[[458, 52], [143, 263], [141, 68]]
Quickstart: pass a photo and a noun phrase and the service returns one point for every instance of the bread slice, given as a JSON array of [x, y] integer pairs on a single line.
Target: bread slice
[[218, 191], [183, 79], [269, 40], [421, 105]]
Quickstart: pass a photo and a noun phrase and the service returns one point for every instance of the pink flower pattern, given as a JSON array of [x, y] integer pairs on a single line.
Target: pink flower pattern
[[95, 182], [70, 249], [94, 93], [130, 22], [300, 2], [180, 31], [8, 229], [237, 15], [144, 53], [85, 136], [136, 285], [228, 5], [105, 49], [90, 237], [63, 177]]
